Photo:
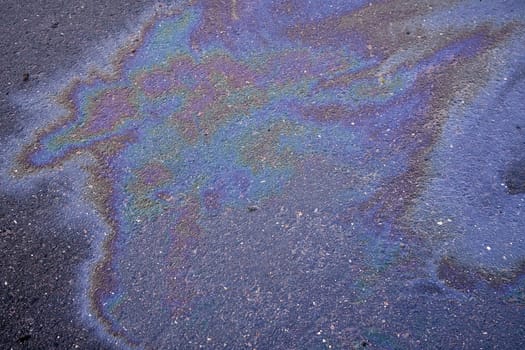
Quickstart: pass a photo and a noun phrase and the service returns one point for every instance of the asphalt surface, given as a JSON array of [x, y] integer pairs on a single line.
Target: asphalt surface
[[282, 231], [40, 255]]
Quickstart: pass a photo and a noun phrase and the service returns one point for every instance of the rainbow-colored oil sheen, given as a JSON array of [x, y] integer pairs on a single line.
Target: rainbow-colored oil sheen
[[226, 114]]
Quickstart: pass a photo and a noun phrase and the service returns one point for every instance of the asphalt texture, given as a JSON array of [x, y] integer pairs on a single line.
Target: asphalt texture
[[262, 175], [39, 258]]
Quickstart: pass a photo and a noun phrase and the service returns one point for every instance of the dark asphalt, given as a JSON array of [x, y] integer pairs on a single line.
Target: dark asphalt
[[42, 252], [39, 255]]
